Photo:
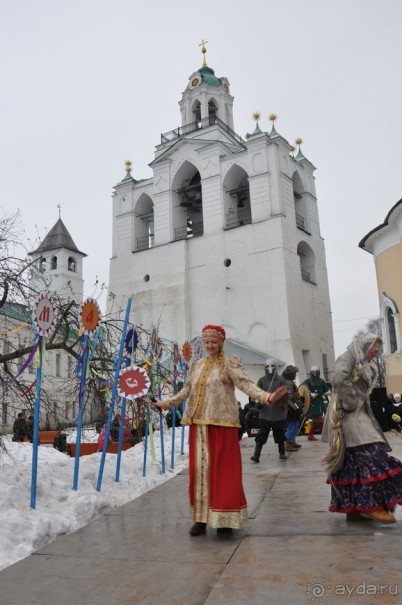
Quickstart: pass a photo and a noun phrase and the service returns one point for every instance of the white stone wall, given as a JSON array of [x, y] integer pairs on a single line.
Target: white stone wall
[[260, 298]]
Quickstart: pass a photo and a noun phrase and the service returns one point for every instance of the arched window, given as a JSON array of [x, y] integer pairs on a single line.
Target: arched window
[[390, 319], [53, 262], [212, 111], [187, 203], [143, 223], [307, 262], [197, 112], [236, 198], [300, 203], [391, 331], [71, 264]]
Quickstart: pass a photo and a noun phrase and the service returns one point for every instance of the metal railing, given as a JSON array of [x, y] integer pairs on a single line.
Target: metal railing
[[198, 125], [144, 242], [195, 230], [238, 218], [307, 276], [300, 222]]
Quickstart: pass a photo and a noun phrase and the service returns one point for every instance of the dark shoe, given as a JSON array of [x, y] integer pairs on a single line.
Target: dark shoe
[[224, 530], [198, 529], [255, 458], [296, 445], [290, 447], [283, 456], [355, 516]]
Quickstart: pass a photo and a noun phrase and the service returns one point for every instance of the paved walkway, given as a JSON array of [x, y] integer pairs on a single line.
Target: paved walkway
[[293, 551]]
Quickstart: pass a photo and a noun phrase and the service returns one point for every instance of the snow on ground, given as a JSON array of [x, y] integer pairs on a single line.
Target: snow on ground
[[61, 510]]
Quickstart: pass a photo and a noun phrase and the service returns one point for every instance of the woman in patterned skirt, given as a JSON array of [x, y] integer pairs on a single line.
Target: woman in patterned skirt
[[216, 490], [365, 481]]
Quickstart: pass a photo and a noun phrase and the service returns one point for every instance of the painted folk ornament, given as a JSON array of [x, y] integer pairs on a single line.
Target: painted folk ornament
[[44, 315], [133, 382], [90, 315]]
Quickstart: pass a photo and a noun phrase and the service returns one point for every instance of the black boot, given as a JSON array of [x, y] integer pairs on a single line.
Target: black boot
[[281, 449], [198, 529], [257, 452]]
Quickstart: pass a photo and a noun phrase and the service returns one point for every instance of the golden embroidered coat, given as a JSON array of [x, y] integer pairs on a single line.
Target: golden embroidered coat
[[210, 392]]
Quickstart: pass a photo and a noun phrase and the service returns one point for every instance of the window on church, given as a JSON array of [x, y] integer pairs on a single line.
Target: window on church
[[212, 111], [197, 114], [58, 365], [53, 263], [71, 264], [143, 223], [391, 330], [70, 367], [236, 198], [307, 262], [300, 203], [188, 219]]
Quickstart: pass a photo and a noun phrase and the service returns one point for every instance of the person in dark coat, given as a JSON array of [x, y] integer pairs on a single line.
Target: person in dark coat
[[19, 428], [319, 393], [115, 428], [30, 428], [251, 415], [241, 420], [295, 409], [272, 416]]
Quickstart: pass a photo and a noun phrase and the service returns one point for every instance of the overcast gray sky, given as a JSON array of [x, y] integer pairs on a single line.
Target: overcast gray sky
[[87, 84]]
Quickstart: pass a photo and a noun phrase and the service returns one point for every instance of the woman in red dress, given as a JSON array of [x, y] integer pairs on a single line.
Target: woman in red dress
[[216, 490]]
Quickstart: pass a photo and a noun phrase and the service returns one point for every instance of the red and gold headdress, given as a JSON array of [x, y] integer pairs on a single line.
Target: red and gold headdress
[[214, 331]]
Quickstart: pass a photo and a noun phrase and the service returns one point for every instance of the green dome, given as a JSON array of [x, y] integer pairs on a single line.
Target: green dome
[[208, 76]]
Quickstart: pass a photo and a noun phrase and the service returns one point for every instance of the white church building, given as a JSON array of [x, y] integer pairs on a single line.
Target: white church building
[[227, 232]]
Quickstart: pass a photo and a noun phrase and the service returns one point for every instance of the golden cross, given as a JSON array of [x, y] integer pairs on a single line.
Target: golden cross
[[204, 50]]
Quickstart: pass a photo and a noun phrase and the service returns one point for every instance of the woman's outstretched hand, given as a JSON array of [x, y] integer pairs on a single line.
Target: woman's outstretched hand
[[278, 394], [156, 403]]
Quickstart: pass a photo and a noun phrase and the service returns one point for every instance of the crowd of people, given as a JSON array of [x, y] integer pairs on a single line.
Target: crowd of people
[[365, 480]]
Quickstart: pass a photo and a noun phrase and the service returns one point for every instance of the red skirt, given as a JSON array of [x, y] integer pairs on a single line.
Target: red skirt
[[216, 488]]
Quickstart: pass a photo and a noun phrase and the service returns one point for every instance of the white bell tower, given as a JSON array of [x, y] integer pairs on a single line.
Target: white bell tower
[[226, 231], [58, 265], [206, 98]]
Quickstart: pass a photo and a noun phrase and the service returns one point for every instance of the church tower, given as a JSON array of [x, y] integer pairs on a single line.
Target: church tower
[[58, 265], [226, 232]]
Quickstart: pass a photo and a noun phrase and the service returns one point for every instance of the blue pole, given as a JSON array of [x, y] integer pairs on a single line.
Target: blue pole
[[173, 421], [121, 426], [162, 441], [144, 466], [161, 433], [114, 392], [36, 423], [80, 410], [121, 435]]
